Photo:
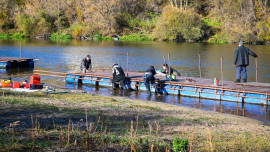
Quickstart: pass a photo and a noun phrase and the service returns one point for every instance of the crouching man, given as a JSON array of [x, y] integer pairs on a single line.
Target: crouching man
[[149, 78], [118, 76], [86, 64]]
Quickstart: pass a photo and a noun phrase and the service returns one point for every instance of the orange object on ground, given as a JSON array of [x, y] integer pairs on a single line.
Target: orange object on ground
[[16, 85], [5, 85], [35, 79]]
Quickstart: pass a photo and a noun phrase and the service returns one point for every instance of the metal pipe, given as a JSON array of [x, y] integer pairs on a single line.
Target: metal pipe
[[169, 67], [127, 63], [200, 70], [20, 49], [221, 62], [256, 62]]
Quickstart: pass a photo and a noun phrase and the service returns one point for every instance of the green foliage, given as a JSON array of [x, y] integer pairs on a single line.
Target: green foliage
[[136, 37], [98, 37], [212, 23], [180, 145], [175, 23], [264, 30], [12, 36], [26, 24], [58, 36], [219, 38]]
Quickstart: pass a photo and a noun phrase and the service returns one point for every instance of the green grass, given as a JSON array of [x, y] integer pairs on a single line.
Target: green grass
[[58, 36], [16, 36], [136, 37]]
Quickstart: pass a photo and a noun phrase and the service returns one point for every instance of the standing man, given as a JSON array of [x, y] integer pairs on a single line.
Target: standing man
[[149, 78], [241, 61], [118, 76], [86, 65]]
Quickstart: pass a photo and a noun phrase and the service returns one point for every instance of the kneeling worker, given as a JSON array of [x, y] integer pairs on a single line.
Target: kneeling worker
[[118, 76], [149, 78], [170, 72], [86, 65]]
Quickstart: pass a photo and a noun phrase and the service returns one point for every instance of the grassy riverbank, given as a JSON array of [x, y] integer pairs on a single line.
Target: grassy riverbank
[[74, 121]]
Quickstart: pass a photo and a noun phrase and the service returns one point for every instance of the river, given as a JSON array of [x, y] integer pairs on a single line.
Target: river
[[65, 56]]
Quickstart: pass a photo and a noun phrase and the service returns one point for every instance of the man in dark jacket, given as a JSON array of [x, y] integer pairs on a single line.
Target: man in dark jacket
[[149, 78], [86, 65], [118, 76], [241, 61]]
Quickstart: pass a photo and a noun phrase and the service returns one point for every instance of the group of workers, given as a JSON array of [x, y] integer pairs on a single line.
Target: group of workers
[[241, 61], [120, 77]]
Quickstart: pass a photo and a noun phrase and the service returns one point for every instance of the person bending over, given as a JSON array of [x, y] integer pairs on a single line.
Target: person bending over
[[118, 76], [86, 65], [149, 78]]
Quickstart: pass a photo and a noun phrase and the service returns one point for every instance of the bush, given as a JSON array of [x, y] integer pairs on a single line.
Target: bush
[[14, 36], [180, 145], [175, 23], [58, 36], [26, 24], [136, 37]]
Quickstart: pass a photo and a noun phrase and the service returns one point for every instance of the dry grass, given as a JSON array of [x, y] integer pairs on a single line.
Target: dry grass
[[82, 122]]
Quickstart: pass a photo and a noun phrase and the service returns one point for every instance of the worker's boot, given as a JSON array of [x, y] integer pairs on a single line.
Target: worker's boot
[[244, 80], [237, 81]]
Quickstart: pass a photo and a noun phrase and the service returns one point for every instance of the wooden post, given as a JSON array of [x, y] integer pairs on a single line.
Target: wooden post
[[200, 70], [221, 64], [20, 49], [169, 66], [164, 61], [127, 64], [256, 63]]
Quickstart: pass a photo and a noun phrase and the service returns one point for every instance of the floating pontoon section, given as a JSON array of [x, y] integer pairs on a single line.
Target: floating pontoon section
[[255, 93], [13, 62]]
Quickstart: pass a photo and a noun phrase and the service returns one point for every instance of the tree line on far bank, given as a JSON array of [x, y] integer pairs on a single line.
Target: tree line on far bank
[[217, 21]]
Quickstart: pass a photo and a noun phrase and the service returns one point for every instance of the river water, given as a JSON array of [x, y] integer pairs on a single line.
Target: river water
[[65, 56]]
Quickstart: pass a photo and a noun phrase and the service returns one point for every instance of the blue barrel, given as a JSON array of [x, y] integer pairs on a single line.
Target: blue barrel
[[71, 78], [31, 63], [190, 91], [3, 64], [89, 80], [210, 94], [263, 97], [105, 82], [232, 96], [142, 86]]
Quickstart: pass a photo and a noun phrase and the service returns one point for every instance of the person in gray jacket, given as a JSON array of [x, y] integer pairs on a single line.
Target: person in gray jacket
[[86, 64], [241, 61]]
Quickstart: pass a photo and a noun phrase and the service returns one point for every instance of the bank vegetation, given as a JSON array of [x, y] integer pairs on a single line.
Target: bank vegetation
[[214, 21]]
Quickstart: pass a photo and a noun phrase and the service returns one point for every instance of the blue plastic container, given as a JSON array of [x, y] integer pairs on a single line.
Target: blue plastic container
[[211, 95], [256, 101], [105, 82], [89, 82], [232, 96], [71, 78], [190, 91]]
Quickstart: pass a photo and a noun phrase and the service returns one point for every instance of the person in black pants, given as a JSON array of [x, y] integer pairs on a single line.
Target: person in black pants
[[150, 78], [118, 76], [241, 61]]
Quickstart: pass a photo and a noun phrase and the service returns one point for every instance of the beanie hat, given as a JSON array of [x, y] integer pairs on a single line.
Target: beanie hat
[[241, 43]]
